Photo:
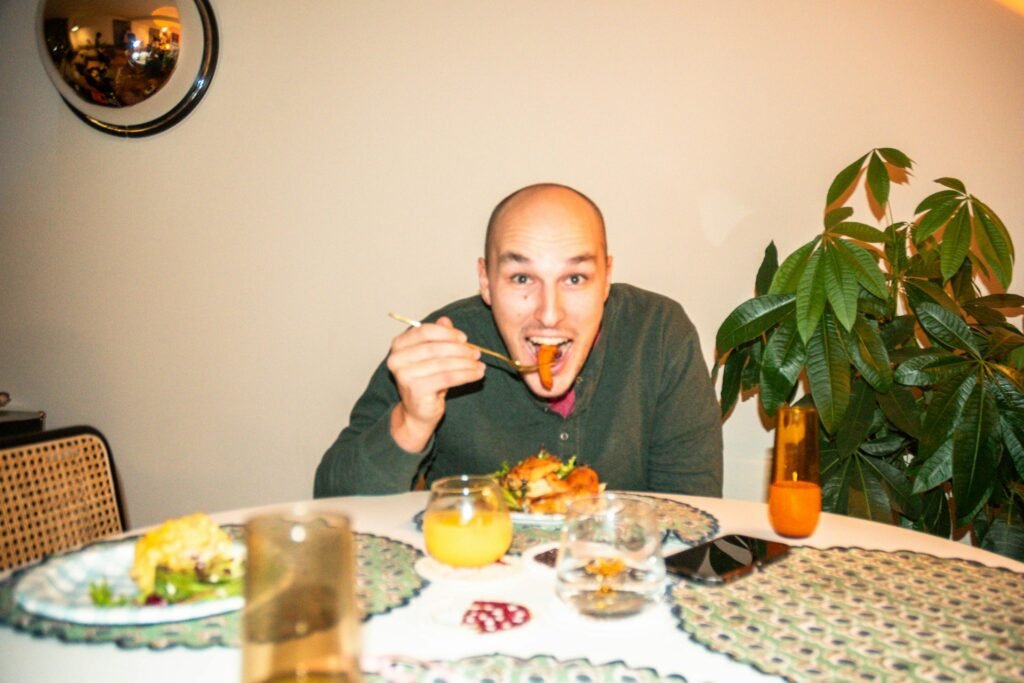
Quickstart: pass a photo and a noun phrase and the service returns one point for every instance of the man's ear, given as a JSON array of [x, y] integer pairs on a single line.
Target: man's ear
[[608, 276], [485, 282]]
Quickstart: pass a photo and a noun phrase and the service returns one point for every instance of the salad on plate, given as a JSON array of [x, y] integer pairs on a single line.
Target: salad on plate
[[544, 485], [188, 559]]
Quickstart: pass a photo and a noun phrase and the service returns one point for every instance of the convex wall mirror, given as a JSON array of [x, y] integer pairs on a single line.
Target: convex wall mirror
[[129, 67]]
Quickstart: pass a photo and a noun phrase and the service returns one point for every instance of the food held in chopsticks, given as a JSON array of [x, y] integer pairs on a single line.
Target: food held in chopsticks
[[185, 559], [543, 484]]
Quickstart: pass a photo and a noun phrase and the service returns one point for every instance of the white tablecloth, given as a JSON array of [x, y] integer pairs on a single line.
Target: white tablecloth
[[420, 629]]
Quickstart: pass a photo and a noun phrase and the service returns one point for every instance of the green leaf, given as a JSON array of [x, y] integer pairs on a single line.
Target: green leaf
[[925, 263], [835, 481], [984, 210], [856, 423], [936, 217], [953, 184], [898, 404], [1005, 539], [840, 286], [877, 505], [1015, 376], [921, 291], [864, 267], [751, 375], [898, 331], [858, 231], [995, 246], [837, 216], [936, 515], [884, 446], [962, 287], [936, 198], [896, 248], [1008, 393], [867, 353], [787, 277], [870, 305], [931, 367], [955, 243], [878, 181], [783, 361], [765, 274], [1006, 300], [896, 157], [751, 318], [946, 328], [1002, 340], [896, 480], [943, 412], [810, 296], [844, 180], [984, 315], [1012, 428], [975, 454], [938, 468], [828, 373], [731, 379]]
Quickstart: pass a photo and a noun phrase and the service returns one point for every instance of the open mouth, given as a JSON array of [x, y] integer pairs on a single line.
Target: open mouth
[[562, 345]]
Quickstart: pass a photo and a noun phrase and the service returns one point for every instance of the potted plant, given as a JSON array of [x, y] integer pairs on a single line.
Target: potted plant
[[916, 373]]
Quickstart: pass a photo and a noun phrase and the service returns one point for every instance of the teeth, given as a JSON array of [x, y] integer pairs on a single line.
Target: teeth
[[550, 341]]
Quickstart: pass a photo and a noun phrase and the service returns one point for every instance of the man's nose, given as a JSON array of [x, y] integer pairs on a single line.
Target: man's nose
[[550, 311]]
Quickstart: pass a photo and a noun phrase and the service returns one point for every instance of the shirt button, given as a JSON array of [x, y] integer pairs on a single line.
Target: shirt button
[[564, 436]]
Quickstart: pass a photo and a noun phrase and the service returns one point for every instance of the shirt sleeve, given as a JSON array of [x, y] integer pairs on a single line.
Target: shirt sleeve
[[686, 446], [364, 459]]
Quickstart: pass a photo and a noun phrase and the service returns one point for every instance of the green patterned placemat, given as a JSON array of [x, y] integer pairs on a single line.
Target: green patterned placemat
[[866, 615], [385, 579], [497, 668], [678, 521]]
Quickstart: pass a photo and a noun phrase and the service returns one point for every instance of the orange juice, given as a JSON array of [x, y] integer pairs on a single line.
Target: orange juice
[[794, 507], [460, 540]]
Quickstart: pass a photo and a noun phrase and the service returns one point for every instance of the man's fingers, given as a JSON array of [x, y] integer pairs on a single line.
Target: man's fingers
[[439, 372], [428, 352], [442, 331]]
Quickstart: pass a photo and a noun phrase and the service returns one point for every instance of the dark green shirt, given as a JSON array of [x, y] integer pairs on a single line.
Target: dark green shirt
[[646, 417]]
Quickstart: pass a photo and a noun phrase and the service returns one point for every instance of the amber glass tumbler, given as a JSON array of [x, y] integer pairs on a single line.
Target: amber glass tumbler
[[794, 495]]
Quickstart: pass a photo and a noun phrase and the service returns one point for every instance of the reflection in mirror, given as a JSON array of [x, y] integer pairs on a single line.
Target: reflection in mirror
[[113, 53]]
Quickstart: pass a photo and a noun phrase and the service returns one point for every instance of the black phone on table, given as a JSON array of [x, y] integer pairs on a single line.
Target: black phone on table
[[724, 559]]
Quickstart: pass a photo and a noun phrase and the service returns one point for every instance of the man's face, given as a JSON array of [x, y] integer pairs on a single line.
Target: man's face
[[546, 278]]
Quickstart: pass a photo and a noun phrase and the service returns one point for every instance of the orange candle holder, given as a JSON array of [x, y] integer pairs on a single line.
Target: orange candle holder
[[794, 495]]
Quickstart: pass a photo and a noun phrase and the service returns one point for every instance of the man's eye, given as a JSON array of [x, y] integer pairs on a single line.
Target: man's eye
[[577, 279], [521, 279]]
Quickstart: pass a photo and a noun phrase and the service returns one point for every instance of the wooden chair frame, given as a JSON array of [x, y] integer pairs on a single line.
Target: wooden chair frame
[[58, 490]]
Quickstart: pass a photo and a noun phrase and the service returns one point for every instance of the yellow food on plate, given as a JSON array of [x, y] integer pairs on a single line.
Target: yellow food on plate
[[179, 545], [543, 484]]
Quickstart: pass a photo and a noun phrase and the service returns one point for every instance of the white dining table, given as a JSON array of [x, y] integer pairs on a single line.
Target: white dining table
[[422, 629]]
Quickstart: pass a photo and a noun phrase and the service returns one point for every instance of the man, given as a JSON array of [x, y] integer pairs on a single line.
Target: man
[[630, 395]]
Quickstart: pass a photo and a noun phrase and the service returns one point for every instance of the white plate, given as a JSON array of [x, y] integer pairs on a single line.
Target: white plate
[[521, 518], [528, 519], [432, 570], [59, 589]]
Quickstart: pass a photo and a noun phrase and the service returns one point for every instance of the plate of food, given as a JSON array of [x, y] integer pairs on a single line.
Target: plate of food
[[185, 569], [538, 489]]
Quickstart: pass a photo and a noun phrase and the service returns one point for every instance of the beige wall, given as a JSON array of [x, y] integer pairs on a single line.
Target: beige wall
[[213, 298]]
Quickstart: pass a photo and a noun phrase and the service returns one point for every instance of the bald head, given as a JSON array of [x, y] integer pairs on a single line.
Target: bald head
[[542, 197]]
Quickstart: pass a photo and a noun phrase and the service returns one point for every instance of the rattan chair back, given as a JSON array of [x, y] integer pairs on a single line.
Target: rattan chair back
[[58, 490]]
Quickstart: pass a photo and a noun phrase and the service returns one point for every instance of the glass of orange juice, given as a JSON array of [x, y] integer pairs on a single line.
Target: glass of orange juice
[[467, 524], [794, 495]]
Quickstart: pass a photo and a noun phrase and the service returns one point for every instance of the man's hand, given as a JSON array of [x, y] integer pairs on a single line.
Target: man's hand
[[426, 361]]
